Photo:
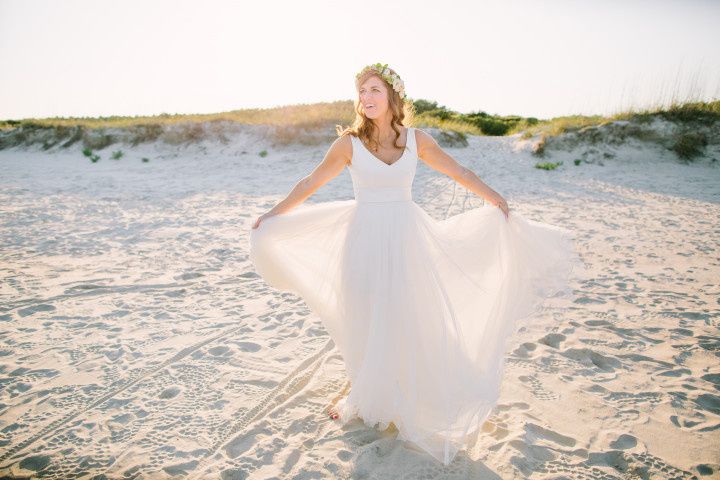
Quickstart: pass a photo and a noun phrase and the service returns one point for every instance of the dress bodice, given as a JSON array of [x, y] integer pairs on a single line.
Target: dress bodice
[[376, 181]]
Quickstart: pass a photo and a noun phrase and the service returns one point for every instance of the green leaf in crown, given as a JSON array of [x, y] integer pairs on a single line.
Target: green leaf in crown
[[392, 78]]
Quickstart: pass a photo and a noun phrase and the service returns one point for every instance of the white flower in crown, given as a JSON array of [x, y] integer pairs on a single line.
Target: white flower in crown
[[392, 78]]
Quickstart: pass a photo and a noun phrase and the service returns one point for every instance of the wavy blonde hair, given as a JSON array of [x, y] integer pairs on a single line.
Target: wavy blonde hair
[[403, 112]]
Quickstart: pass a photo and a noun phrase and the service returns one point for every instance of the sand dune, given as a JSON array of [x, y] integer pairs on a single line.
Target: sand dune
[[137, 342]]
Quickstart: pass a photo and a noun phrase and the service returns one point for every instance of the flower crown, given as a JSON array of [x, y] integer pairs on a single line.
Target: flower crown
[[392, 78]]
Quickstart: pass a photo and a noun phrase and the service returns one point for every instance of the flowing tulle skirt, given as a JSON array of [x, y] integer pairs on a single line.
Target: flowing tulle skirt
[[420, 309]]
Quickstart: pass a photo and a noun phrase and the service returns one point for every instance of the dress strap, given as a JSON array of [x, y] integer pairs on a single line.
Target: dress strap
[[410, 142], [355, 147]]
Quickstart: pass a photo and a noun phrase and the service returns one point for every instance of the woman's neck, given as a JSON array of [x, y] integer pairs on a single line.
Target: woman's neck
[[384, 131]]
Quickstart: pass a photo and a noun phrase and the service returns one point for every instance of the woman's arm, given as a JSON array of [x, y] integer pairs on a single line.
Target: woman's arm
[[337, 156], [436, 158]]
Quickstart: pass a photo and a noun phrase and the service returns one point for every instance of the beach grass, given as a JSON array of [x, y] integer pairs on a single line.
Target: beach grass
[[294, 123]]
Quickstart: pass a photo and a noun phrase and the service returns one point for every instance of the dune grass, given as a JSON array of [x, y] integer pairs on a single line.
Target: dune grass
[[294, 123], [308, 115], [703, 113]]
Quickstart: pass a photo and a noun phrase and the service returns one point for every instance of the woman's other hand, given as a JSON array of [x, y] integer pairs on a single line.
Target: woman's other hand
[[502, 205], [261, 218]]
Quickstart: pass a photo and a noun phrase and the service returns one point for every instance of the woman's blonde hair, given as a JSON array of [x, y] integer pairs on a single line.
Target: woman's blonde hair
[[403, 112]]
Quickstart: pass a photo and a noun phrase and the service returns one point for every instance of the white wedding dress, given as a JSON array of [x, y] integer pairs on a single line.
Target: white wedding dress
[[419, 309]]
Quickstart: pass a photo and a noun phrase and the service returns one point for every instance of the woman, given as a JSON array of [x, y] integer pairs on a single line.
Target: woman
[[420, 309]]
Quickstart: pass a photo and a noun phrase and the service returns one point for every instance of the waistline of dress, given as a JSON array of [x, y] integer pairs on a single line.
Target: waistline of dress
[[383, 194]]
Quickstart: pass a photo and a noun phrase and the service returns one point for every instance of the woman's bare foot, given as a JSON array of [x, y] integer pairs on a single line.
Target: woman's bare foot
[[331, 410]]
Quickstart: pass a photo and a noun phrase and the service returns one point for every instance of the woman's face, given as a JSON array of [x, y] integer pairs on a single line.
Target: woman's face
[[373, 97]]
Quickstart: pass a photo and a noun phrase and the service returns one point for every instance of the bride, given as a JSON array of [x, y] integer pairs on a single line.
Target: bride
[[420, 309]]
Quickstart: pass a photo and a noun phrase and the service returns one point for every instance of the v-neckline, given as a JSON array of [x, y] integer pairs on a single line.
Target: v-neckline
[[407, 139]]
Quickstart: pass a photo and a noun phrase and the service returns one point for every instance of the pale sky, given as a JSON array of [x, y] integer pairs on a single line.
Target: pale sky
[[531, 58]]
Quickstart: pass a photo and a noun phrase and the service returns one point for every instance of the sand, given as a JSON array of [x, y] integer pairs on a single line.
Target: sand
[[137, 342]]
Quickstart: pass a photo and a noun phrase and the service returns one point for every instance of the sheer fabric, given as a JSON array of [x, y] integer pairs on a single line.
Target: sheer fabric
[[420, 309]]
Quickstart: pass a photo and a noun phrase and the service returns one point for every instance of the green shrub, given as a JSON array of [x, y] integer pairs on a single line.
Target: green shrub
[[689, 145], [423, 106], [548, 165]]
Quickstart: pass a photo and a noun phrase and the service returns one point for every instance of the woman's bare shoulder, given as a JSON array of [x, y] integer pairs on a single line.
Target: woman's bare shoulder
[[424, 141], [342, 146], [423, 136]]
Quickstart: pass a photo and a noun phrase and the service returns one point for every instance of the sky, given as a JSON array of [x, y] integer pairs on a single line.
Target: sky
[[541, 58]]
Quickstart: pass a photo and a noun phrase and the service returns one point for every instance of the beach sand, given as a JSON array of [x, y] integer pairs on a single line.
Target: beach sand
[[137, 341]]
